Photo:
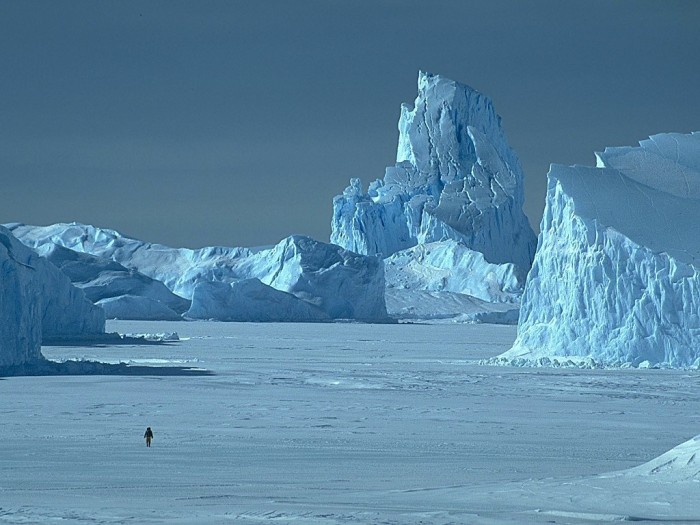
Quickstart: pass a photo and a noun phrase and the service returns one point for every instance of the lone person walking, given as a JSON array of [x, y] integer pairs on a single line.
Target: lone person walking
[[149, 436]]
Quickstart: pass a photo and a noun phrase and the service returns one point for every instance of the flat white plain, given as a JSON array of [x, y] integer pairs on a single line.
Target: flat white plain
[[341, 423]]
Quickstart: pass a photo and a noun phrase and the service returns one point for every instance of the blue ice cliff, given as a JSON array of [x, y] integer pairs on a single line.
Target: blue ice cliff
[[37, 301], [616, 277]]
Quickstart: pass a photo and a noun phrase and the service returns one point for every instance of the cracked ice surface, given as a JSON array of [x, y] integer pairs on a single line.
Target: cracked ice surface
[[455, 178], [615, 277]]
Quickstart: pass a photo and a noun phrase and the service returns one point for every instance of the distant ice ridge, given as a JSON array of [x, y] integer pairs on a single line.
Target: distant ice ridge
[[37, 301], [455, 178], [446, 307], [446, 281], [250, 300], [120, 292], [339, 283], [615, 279], [449, 266]]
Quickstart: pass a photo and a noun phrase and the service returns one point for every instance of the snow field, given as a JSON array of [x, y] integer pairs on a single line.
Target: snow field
[[339, 423]]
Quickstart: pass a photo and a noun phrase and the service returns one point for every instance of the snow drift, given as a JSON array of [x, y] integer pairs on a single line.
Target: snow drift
[[37, 301], [681, 463], [615, 278], [455, 178], [342, 284]]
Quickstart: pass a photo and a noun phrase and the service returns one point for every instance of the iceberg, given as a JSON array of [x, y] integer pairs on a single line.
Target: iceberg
[[179, 269], [121, 292], [433, 307], [342, 284], [20, 331], [449, 266], [37, 301], [616, 277], [250, 300], [137, 307], [456, 178]]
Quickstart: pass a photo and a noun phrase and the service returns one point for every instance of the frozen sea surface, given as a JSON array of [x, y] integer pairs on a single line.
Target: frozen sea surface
[[339, 423]]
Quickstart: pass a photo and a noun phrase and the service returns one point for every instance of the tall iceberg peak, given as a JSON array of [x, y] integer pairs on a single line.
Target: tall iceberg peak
[[455, 178], [616, 277]]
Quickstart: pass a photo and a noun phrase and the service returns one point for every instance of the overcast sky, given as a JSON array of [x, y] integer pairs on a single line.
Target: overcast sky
[[236, 122]]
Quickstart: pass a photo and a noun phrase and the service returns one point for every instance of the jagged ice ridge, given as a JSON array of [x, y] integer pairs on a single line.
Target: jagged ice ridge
[[342, 284]]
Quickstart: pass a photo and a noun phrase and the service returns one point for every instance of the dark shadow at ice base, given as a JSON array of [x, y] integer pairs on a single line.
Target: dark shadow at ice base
[[45, 367], [95, 368], [110, 339]]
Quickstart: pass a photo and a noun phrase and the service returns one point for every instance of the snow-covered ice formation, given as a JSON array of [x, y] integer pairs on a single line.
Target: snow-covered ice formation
[[341, 283], [448, 216], [681, 463], [179, 269], [446, 307], [136, 307], [449, 266], [616, 275], [121, 292], [20, 331], [250, 300], [447, 281], [455, 178], [37, 301]]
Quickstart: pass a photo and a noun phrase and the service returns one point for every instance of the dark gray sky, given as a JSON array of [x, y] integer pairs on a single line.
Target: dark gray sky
[[236, 122]]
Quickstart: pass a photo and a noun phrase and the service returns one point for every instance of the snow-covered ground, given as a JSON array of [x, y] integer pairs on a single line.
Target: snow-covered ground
[[343, 423]]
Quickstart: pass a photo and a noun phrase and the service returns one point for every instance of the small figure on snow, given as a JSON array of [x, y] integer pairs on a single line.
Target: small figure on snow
[[149, 436]]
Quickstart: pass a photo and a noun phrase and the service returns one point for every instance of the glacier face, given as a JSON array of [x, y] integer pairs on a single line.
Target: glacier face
[[20, 331], [37, 301], [615, 277], [455, 178], [340, 283]]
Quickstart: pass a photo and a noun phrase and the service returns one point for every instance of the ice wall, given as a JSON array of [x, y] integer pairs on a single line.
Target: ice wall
[[341, 283], [20, 308], [455, 178], [615, 278], [37, 301]]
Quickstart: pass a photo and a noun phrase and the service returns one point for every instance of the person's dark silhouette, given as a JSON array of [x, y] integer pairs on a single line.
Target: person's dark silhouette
[[149, 436]]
